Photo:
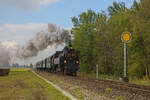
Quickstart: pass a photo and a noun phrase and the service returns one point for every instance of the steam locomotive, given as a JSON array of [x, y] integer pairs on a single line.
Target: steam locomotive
[[65, 61]]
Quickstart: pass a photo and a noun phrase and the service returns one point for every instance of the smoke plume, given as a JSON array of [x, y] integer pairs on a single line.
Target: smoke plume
[[4, 57], [53, 35]]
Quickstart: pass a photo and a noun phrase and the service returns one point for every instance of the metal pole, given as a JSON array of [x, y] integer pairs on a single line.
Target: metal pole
[[97, 71], [125, 60]]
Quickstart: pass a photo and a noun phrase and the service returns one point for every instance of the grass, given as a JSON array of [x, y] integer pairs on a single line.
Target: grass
[[78, 93], [93, 75], [119, 98], [108, 90], [19, 69], [21, 84], [144, 81]]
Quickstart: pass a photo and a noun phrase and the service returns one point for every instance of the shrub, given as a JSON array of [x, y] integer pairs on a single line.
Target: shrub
[[4, 71]]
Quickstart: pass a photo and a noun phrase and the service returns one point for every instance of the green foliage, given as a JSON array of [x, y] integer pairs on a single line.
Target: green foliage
[[98, 38], [143, 81], [136, 70], [83, 27], [108, 90], [119, 98], [117, 8], [138, 62]]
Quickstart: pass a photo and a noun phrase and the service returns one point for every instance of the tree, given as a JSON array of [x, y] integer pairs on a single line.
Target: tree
[[98, 38], [117, 8], [83, 26], [139, 57]]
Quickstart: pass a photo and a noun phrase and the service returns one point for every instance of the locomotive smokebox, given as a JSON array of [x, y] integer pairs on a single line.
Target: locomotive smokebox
[[4, 71]]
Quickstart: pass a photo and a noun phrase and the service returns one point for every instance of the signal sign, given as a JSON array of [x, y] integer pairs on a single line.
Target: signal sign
[[126, 37]]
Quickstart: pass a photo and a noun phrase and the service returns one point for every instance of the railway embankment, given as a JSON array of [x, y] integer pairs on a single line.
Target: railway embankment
[[84, 88]]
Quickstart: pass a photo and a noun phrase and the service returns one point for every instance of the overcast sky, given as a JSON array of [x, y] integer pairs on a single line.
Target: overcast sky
[[21, 19]]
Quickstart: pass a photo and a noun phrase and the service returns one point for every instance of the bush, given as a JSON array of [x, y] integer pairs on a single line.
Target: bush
[[136, 70], [108, 90], [119, 98], [4, 71]]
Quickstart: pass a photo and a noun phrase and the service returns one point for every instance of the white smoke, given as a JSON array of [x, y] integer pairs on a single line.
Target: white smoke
[[8, 51], [43, 45], [53, 37], [4, 56], [50, 50]]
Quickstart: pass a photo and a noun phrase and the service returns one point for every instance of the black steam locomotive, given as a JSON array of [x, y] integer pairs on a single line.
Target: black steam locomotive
[[65, 61]]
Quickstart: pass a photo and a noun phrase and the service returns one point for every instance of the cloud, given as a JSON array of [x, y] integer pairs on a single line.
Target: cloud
[[43, 2], [19, 32], [26, 4]]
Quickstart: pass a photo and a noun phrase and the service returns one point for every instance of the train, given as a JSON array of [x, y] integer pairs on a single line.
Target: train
[[65, 62]]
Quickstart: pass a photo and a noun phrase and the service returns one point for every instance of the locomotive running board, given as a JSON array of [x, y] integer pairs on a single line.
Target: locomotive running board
[[57, 87]]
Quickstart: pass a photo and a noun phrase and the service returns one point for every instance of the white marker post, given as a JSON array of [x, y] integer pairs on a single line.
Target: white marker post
[[126, 37], [97, 71]]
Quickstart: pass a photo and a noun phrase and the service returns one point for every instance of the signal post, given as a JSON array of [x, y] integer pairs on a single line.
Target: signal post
[[126, 38]]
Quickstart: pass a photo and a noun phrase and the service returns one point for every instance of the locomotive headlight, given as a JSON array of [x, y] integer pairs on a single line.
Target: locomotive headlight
[[64, 61], [77, 62]]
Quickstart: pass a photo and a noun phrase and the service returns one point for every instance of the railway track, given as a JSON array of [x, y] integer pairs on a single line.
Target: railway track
[[117, 85], [131, 88], [126, 90]]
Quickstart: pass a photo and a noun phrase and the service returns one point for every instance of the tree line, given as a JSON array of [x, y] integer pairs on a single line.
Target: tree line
[[98, 38]]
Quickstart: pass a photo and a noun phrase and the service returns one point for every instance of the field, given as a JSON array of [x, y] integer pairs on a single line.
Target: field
[[21, 84]]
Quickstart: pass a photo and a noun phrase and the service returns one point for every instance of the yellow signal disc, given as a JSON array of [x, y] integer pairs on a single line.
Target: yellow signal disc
[[126, 37]]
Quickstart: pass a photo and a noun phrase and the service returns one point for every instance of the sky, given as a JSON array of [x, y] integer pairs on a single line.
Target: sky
[[20, 20]]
